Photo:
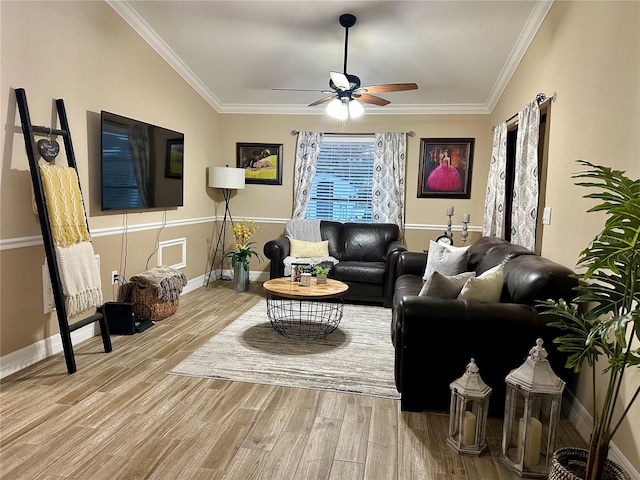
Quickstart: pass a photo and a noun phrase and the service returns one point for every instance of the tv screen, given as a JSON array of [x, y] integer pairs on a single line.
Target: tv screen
[[141, 164]]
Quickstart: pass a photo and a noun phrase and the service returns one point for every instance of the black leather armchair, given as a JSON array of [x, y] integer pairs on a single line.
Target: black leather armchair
[[435, 338], [367, 254]]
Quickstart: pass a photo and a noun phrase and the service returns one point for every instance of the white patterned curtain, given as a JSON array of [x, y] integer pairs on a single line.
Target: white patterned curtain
[[389, 166], [525, 187], [141, 154], [493, 222], [307, 152]]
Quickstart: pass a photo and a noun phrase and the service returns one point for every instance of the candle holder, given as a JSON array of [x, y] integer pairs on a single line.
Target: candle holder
[[468, 412], [449, 233], [531, 415], [465, 232]]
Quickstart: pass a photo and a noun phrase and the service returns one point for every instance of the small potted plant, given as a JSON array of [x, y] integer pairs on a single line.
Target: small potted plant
[[604, 319], [321, 274]]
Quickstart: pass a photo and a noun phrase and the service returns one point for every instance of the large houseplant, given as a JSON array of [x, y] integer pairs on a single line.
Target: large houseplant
[[604, 318]]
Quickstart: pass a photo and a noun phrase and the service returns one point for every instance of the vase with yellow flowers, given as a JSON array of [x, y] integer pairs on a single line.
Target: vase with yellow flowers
[[241, 253]]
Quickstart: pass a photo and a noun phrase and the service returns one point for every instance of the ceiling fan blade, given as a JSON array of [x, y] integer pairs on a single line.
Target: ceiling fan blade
[[366, 98], [340, 80], [388, 87], [322, 100]]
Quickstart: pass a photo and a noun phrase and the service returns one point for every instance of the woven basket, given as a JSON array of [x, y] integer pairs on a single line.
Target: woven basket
[[146, 304], [569, 464]]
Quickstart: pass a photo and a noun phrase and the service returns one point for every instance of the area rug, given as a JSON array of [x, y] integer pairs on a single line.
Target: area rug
[[356, 358]]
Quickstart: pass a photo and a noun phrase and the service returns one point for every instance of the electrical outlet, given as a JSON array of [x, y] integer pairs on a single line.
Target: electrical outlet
[[114, 277]]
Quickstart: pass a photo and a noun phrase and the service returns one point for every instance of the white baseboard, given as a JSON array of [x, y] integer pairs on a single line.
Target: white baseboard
[[228, 274], [31, 354], [582, 420], [16, 361]]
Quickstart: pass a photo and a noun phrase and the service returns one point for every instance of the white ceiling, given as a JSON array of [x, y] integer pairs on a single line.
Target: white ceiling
[[234, 53]]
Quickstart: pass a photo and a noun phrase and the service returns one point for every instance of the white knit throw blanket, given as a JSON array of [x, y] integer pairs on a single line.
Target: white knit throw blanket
[[289, 261], [303, 229], [80, 277], [308, 231]]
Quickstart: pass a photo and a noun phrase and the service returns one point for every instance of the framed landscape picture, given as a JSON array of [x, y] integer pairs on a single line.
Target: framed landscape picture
[[445, 166], [262, 162], [174, 160]]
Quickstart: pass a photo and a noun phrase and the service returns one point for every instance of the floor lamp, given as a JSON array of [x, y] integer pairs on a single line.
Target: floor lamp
[[226, 179]]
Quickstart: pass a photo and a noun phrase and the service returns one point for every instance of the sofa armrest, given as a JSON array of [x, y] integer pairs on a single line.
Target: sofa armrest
[[436, 338], [394, 249], [276, 251], [411, 263]]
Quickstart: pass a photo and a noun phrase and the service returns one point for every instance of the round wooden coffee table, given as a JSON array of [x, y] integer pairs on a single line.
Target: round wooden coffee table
[[304, 313]]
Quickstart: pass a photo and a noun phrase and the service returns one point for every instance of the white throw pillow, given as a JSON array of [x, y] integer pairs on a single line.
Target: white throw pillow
[[486, 287], [445, 259], [443, 286]]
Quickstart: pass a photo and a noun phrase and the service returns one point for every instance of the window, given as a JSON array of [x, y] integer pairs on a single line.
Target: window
[[343, 182]]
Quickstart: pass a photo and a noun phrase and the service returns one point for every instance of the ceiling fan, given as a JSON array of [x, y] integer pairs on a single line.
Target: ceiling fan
[[345, 88]]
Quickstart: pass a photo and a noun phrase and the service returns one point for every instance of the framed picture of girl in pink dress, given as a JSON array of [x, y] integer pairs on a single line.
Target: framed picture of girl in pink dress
[[445, 167]]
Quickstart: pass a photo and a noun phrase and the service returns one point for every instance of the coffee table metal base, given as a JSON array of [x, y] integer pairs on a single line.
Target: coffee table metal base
[[304, 319]]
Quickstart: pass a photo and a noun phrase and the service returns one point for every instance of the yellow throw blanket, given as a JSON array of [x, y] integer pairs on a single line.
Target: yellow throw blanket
[[64, 204], [79, 274]]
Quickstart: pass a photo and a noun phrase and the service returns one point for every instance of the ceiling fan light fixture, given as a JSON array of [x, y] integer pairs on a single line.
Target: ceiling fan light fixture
[[346, 88], [355, 109], [338, 109]]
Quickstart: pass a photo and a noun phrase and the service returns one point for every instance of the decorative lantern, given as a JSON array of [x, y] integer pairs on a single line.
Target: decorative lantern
[[468, 412], [531, 415]]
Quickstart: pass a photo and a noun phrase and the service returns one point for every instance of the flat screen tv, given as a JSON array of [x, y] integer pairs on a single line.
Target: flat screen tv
[[141, 164]]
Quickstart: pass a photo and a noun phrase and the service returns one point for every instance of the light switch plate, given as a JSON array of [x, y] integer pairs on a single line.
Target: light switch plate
[[546, 216]]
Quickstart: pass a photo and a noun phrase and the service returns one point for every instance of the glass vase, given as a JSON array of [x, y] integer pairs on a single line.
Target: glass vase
[[241, 277]]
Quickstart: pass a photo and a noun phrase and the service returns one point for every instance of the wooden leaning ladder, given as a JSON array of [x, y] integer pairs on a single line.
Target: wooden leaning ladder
[[29, 131]]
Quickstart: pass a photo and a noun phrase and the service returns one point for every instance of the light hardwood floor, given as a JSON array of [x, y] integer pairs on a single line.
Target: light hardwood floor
[[122, 416]]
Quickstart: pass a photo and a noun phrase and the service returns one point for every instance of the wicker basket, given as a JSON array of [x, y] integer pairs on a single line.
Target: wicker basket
[[568, 464], [146, 304]]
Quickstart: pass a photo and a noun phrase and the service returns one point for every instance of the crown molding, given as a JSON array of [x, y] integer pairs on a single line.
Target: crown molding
[[395, 109], [538, 14], [129, 15]]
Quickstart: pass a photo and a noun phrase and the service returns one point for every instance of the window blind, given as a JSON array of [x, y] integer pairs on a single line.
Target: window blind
[[343, 182]]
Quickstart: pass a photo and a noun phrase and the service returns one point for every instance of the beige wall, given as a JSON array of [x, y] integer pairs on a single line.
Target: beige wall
[[84, 53], [587, 52], [425, 217]]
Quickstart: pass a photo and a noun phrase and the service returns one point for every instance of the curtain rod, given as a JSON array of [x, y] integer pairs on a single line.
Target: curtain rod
[[540, 98], [296, 132]]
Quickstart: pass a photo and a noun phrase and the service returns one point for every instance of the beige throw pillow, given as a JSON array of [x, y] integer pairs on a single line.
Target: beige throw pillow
[[302, 249], [486, 287], [443, 286], [445, 259]]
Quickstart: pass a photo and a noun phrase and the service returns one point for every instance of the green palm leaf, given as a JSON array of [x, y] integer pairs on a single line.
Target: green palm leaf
[[604, 317]]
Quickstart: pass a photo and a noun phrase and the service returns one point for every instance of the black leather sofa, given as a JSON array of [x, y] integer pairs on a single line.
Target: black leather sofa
[[367, 253], [435, 338]]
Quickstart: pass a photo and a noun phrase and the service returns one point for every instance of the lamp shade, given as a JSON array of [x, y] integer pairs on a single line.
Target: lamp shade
[[355, 109], [226, 177], [338, 109]]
